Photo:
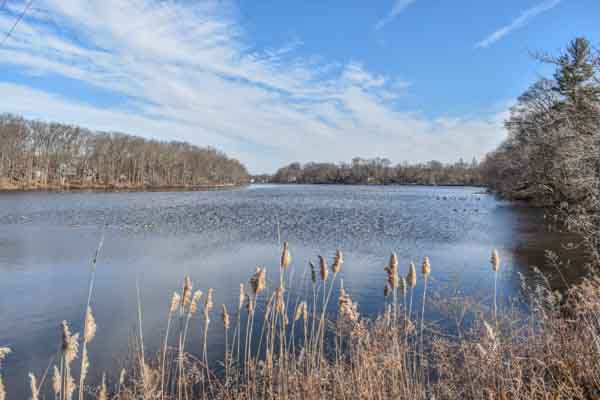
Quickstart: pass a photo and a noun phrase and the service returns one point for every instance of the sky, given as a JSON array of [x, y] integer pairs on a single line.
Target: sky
[[270, 82]]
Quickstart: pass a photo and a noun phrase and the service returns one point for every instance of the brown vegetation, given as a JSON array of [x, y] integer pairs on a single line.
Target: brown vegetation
[[39, 155], [281, 346]]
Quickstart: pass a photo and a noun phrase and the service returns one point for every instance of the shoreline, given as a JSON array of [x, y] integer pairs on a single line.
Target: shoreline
[[11, 188], [370, 184]]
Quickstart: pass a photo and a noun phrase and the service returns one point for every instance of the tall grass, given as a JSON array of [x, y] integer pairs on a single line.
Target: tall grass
[[326, 349]]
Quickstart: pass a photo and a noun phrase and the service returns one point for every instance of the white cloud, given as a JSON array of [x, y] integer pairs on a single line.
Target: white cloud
[[185, 72], [518, 22], [397, 8]]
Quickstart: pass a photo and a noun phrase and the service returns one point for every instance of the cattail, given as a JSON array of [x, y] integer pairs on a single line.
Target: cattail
[[69, 386], [4, 351], [70, 343], [393, 263], [411, 278], [175, 300], [90, 326], [35, 393], [313, 272], [280, 301], [403, 286], [250, 306], [347, 310], [495, 261], [338, 260], [187, 291], [392, 271], [286, 258], [242, 297], [489, 332], [258, 282], [426, 266], [194, 302], [122, 377], [225, 317], [301, 311], [56, 381], [208, 304], [85, 365], [103, 393], [323, 268]]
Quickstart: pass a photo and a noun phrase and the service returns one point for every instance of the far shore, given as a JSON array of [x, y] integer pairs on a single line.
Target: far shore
[[119, 187]]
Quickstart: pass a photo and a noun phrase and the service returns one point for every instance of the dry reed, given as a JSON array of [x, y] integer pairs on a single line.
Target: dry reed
[[548, 356]]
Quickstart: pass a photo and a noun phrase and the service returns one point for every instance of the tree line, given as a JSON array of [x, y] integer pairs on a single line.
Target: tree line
[[37, 154], [380, 171], [552, 154]]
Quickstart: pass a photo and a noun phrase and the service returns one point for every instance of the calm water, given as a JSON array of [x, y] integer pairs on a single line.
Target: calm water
[[218, 238]]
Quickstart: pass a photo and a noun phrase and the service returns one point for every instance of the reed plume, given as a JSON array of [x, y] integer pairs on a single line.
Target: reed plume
[[69, 350], [103, 392], [173, 306], [286, 258], [237, 332], [35, 390], [411, 279], [70, 343], [392, 271], [301, 311], [89, 332], [347, 310], [495, 261], [323, 270], [242, 297], [208, 306], [175, 299], [4, 351], [225, 319], [338, 260], [426, 270], [186, 293], [196, 297], [122, 381], [392, 281], [56, 382], [258, 281]]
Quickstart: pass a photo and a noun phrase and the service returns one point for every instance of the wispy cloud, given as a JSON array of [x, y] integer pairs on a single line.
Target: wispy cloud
[[186, 73], [518, 22], [397, 8]]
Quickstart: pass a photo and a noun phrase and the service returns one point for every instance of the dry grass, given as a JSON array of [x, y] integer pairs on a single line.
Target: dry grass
[[279, 346]]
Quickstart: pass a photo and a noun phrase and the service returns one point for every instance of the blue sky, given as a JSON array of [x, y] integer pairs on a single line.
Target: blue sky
[[271, 82]]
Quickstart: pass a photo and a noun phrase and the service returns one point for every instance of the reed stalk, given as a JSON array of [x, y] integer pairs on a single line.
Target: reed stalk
[[495, 261]]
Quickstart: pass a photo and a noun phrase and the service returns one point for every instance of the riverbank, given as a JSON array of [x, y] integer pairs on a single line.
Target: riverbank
[[6, 186]]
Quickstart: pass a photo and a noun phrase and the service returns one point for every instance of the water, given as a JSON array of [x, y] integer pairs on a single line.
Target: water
[[217, 238]]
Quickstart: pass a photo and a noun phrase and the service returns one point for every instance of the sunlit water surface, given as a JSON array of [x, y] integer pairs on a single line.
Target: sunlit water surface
[[217, 238]]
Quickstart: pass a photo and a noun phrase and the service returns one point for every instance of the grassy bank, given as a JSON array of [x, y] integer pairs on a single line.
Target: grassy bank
[[280, 344]]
